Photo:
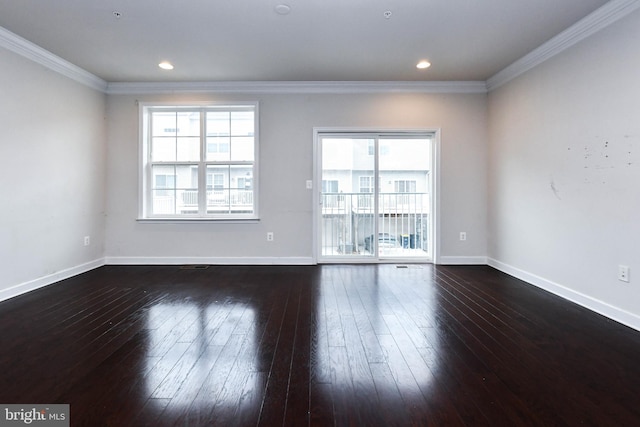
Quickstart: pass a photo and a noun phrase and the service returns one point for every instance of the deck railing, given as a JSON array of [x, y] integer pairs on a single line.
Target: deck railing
[[388, 203], [349, 225], [186, 201]]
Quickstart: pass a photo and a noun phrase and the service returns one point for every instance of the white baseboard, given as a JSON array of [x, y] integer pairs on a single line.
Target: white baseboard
[[607, 310], [462, 260], [629, 319], [49, 279], [209, 261]]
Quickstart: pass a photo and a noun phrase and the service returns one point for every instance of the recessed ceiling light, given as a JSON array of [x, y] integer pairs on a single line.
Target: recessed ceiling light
[[282, 9], [165, 65], [423, 64]]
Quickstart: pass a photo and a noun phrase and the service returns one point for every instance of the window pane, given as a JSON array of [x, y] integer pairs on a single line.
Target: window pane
[[163, 190], [241, 191], [242, 123], [218, 123], [175, 136], [347, 217], [242, 149], [188, 149], [188, 123], [163, 149], [164, 123], [218, 148], [164, 177], [187, 189], [242, 177], [217, 189], [229, 189], [175, 189], [163, 202]]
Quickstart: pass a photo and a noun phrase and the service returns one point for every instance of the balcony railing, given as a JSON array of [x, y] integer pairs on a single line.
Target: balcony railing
[[349, 224], [388, 203], [186, 201]]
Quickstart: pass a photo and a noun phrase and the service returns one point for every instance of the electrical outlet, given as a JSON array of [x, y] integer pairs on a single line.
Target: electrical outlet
[[270, 236], [87, 240], [623, 273], [463, 235], [309, 184]]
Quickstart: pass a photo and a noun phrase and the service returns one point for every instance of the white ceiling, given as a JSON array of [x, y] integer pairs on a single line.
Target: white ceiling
[[319, 40]]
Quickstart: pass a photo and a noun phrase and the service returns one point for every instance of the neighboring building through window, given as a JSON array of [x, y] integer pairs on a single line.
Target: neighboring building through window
[[366, 184], [199, 161], [405, 186], [371, 148], [164, 181], [329, 186]]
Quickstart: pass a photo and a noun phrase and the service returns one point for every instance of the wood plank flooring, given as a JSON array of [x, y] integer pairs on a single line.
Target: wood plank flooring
[[345, 345]]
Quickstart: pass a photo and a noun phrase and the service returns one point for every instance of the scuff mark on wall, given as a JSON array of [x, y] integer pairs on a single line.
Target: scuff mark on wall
[[556, 192]]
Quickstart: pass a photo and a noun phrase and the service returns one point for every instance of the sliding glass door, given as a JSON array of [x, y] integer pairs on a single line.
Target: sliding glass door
[[375, 197]]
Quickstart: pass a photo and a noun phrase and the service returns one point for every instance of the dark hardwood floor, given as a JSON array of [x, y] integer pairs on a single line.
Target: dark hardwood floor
[[346, 345]]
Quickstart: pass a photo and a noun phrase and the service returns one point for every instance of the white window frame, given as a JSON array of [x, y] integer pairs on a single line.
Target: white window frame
[[145, 183]]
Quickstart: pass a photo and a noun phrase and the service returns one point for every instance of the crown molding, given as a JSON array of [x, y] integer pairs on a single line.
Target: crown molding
[[348, 87], [35, 53], [596, 21], [591, 24]]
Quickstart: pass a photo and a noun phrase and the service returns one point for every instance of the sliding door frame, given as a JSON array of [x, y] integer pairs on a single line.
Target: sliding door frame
[[376, 133]]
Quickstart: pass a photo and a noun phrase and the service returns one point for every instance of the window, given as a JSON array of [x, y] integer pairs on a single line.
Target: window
[[329, 186], [164, 181], [371, 148], [218, 181], [405, 186], [244, 183], [199, 162], [217, 147], [366, 184]]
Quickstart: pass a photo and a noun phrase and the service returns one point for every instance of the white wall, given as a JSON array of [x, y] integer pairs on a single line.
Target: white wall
[[564, 172], [52, 177], [286, 162]]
